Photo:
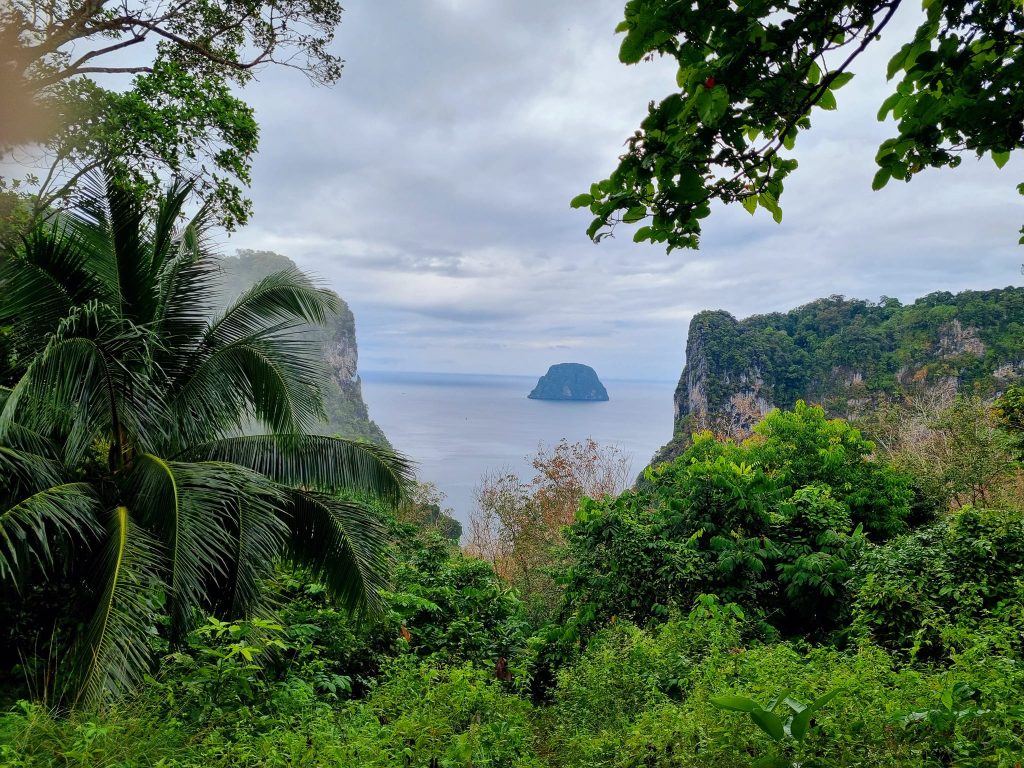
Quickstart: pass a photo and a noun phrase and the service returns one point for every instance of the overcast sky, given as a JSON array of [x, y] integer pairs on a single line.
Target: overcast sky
[[430, 188]]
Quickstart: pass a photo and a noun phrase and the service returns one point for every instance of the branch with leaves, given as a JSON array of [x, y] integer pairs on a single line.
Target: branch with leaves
[[749, 77]]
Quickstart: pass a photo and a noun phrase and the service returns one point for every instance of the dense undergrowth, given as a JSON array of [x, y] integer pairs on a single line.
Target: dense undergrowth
[[928, 672]]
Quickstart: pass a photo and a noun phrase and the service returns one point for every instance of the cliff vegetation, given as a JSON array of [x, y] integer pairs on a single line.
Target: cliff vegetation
[[846, 354]]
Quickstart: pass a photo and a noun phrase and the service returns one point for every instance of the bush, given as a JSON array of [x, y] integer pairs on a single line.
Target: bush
[[775, 525], [922, 591]]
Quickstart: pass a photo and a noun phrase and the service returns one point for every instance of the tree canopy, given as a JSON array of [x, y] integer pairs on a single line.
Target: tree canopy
[[750, 75], [180, 111], [159, 456]]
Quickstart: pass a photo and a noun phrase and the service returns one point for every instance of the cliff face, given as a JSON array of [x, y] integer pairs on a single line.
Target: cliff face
[[846, 355], [343, 392]]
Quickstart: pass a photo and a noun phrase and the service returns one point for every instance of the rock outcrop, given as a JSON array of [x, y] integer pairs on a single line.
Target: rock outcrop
[[569, 381], [846, 355]]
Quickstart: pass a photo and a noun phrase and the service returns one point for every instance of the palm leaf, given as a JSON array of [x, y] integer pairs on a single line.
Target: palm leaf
[[187, 504], [30, 528], [328, 464], [116, 650], [287, 296], [269, 376], [31, 296], [344, 544]]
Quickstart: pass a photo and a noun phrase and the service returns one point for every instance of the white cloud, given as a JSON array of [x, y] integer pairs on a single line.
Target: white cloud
[[431, 188]]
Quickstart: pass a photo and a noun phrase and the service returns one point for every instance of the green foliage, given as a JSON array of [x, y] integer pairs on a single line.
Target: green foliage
[[751, 74], [180, 112], [445, 716], [932, 590], [125, 471], [624, 671], [775, 525], [1009, 411], [835, 349], [787, 731], [454, 607]]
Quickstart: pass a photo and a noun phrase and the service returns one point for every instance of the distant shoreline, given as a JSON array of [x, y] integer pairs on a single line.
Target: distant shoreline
[[438, 377]]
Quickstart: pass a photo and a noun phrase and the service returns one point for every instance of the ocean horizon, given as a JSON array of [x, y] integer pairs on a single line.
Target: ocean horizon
[[458, 427]]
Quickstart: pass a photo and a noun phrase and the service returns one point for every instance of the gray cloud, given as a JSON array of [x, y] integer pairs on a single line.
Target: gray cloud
[[430, 187]]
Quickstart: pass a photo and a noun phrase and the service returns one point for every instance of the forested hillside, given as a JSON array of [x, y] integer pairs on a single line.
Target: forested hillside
[[846, 354]]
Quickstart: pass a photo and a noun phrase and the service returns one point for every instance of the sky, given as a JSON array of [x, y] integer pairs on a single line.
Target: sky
[[430, 188]]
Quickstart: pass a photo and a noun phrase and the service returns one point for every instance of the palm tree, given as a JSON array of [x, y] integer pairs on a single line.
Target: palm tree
[[127, 449]]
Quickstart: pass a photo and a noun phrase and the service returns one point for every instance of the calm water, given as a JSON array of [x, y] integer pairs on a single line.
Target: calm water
[[458, 427]]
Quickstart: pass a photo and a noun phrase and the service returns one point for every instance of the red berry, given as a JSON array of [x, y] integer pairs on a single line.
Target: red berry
[[710, 83]]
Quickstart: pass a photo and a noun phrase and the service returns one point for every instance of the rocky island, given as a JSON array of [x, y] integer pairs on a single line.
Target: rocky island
[[569, 381]]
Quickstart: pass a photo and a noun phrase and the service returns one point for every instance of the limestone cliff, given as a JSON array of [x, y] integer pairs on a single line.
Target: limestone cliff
[[846, 355], [343, 393]]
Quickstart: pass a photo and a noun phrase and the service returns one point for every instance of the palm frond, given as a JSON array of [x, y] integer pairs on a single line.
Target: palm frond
[[31, 297], [287, 297], [260, 537], [269, 376], [63, 389], [188, 505], [116, 651], [328, 464], [344, 544], [186, 297], [169, 210], [110, 221], [30, 528]]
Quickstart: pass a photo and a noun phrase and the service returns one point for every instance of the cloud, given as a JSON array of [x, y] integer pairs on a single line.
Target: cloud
[[430, 187]]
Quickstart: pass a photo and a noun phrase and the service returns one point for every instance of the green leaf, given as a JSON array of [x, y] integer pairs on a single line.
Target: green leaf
[[888, 105], [769, 723], [735, 703], [1000, 158], [634, 214], [750, 204], [882, 177], [581, 201], [827, 100], [840, 80], [801, 721], [712, 104], [642, 234]]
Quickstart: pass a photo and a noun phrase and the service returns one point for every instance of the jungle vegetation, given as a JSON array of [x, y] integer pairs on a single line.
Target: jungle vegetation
[[191, 575]]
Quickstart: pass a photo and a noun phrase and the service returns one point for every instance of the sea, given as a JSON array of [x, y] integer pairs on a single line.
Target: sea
[[460, 427]]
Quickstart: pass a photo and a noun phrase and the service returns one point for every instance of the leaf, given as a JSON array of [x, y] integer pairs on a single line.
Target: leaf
[[881, 178], [1000, 158], [634, 214], [888, 105], [116, 653], [735, 703], [329, 464], [827, 100], [581, 201], [344, 544], [840, 80], [769, 723], [750, 204], [801, 721]]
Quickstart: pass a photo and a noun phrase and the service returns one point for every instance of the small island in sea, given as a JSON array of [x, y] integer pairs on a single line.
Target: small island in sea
[[569, 381]]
